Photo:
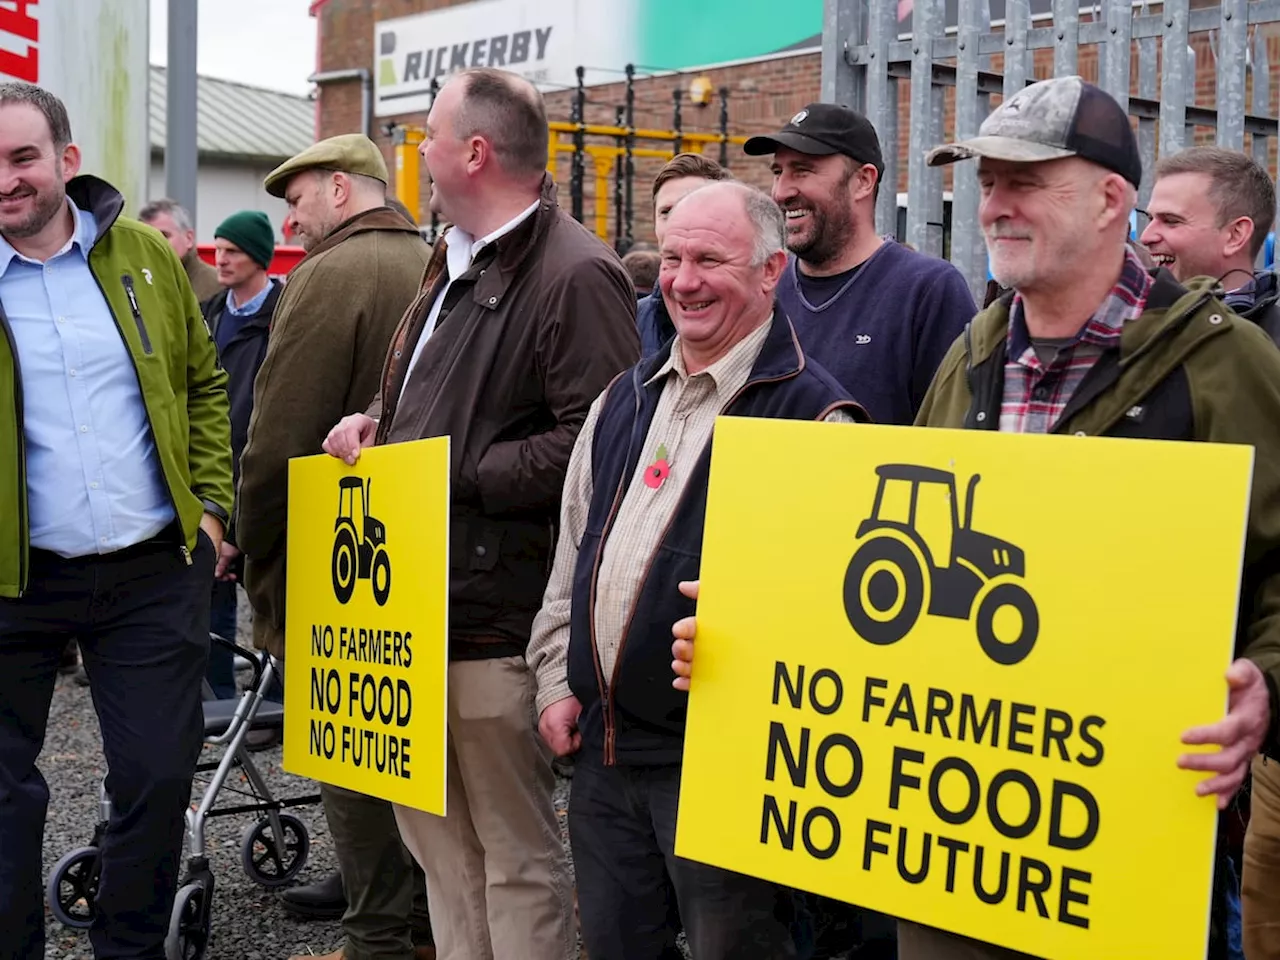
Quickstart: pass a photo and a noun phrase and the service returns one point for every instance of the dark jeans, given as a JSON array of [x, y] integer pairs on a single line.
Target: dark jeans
[[386, 891], [141, 618], [635, 894]]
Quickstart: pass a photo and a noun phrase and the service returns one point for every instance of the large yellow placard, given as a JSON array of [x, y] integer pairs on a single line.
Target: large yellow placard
[[944, 674], [366, 625]]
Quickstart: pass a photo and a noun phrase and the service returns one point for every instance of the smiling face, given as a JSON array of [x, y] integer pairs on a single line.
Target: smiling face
[[1037, 219], [715, 293], [1185, 234], [33, 172], [817, 195]]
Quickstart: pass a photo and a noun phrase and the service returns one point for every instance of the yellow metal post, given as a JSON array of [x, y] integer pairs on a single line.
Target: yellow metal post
[[405, 141]]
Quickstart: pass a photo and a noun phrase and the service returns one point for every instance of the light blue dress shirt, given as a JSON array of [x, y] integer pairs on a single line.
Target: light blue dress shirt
[[94, 482], [253, 305]]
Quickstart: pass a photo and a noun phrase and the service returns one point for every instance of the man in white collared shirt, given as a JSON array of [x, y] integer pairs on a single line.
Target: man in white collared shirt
[[510, 340]]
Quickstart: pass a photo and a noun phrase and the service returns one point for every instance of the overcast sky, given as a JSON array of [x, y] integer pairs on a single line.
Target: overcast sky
[[266, 43]]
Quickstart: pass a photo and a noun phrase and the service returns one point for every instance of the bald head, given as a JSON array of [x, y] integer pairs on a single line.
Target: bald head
[[718, 199], [508, 112]]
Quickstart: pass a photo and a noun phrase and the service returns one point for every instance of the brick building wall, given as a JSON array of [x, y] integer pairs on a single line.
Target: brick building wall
[[763, 95]]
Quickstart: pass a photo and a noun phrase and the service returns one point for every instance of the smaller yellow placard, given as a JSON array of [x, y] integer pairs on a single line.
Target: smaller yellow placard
[[366, 662]]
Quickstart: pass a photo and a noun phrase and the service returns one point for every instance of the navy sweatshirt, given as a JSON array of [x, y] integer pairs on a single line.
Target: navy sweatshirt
[[884, 335]]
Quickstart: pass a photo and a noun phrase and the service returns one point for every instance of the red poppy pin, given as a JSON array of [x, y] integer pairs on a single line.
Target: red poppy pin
[[658, 471]]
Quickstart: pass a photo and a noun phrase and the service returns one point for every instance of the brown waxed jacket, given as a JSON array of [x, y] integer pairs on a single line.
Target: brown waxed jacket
[[526, 339]]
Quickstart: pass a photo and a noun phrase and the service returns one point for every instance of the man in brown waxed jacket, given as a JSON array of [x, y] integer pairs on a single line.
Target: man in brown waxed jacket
[[524, 317]]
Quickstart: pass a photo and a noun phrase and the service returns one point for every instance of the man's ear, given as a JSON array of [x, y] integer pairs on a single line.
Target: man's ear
[[865, 181], [1118, 199], [70, 161], [773, 268], [1238, 235]]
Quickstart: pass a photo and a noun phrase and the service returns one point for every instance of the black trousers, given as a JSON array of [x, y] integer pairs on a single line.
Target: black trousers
[[635, 894], [141, 616]]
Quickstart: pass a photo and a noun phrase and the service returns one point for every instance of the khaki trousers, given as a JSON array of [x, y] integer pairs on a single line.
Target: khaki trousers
[[917, 942], [1260, 883], [498, 881]]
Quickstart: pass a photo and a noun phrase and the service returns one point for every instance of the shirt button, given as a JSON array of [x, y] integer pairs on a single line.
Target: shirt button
[[73, 371], [492, 301], [94, 485], [102, 539], [62, 319], [83, 428], [1039, 393], [481, 551]]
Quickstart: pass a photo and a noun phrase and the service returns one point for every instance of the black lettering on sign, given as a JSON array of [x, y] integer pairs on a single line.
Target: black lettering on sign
[[1067, 896], [1062, 790], [458, 57], [375, 750], [771, 814], [969, 718], [542, 35], [498, 51], [520, 46], [828, 817], [979, 888], [998, 782], [322, 742], [904, 708], [913, 876], [321, 640], [782, 678], [899, 777], [413, 66], [941, 703], [850, 746], [837, 692], [1017, 727], [1036, 886], [869, 699], [381, 698], [478, 53], [797, 764], [1057, 727], [326, 689], [441, 67], [871, 844], [952, 847], [1086, 726], [940, 810]]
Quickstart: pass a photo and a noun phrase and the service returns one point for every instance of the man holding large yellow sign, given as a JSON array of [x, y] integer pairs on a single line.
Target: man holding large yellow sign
[[1093, 585], [368, 590]]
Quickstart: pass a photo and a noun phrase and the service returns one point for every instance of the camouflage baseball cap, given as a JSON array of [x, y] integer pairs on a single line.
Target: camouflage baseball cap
[[1049, 120]]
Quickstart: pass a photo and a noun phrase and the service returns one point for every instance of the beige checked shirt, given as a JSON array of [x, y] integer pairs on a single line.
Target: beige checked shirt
[[682, 423]]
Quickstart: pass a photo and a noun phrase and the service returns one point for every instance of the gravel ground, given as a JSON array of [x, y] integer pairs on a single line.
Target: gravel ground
[[248, 923]]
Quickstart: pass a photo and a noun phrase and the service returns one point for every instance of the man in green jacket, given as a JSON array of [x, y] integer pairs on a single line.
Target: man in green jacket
[[324, 359], [115, 483], [1089, 343]]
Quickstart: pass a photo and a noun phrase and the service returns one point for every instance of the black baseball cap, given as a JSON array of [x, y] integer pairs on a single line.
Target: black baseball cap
[[823, 129], [1049, 120]]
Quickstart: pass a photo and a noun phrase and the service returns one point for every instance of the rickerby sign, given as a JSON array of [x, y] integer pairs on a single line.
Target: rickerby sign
[[945, 674], [546, 40]]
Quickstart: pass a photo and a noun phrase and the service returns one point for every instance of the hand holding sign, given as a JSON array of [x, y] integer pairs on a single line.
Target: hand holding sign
[[350, 436], [1240, 734], [684, 631]]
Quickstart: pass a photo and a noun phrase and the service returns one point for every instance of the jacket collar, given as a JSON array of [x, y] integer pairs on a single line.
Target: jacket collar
[[379, 218], [100, 198]]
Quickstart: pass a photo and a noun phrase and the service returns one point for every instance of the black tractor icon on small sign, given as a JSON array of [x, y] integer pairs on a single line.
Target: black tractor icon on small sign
[[359, 544], [914, 555]]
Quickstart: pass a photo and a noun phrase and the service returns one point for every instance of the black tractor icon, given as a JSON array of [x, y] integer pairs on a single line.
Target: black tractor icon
[[359, 544], [914, 555]]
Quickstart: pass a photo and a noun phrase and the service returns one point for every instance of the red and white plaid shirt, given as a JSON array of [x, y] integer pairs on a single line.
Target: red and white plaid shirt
[[1034, 394]]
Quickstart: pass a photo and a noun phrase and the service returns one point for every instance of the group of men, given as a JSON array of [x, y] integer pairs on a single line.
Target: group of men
[[581, 419]]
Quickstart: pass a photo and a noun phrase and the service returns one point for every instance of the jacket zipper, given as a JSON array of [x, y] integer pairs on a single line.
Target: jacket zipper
[[127, 281], [24, 532], [608, 696]]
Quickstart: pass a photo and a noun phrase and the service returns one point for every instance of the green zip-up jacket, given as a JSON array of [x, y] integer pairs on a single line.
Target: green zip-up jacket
[[1187, 369], [183, 387]]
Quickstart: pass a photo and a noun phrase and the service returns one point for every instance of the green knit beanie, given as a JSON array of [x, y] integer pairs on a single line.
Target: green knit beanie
[[250, 230]]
